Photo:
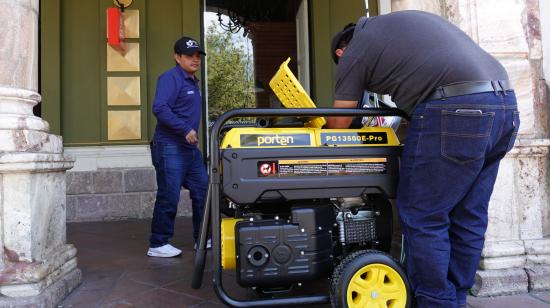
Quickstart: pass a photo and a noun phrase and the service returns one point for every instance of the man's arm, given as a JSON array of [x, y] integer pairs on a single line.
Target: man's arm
[[341, 122], [166, 92]]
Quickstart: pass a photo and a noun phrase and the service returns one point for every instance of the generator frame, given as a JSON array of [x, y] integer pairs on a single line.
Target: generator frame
[[212, 207]]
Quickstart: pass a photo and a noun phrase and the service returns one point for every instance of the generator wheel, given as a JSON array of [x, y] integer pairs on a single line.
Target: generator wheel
[[369, 278]]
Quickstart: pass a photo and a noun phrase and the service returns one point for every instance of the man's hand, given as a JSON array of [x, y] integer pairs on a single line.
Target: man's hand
[[192, 137], [341, 122]]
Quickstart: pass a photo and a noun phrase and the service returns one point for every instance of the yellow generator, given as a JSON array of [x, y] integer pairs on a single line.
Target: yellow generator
[[292, 205]]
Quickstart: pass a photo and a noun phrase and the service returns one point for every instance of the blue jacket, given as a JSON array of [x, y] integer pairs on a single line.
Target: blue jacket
[[177, 106]]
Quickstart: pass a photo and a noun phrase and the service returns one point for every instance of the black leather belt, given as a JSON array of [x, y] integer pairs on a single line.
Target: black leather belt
[[470, 87]]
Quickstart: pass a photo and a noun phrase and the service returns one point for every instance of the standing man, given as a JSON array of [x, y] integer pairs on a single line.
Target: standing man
[[464, 119], [177, 160]]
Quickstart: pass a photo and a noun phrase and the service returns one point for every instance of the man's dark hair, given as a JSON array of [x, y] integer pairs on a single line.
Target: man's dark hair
[[342, 39], [347, 36]]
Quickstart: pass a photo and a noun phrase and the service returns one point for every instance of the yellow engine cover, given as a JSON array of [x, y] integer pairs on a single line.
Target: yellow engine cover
[[228, 259]]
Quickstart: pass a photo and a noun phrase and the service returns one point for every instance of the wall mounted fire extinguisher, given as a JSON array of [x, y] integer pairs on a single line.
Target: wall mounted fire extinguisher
[[115, 28]]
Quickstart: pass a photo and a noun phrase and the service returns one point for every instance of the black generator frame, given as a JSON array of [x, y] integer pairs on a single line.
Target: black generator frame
[[212, 207]]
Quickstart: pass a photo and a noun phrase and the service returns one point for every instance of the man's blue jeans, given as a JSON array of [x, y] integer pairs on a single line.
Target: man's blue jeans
[[448, 169], [176, 166]]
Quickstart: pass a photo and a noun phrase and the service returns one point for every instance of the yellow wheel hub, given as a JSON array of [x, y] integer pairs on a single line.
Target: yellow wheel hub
[[376, 285]]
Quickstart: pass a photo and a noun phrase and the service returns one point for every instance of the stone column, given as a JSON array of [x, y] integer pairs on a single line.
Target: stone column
[[516, 256], [37, 267]]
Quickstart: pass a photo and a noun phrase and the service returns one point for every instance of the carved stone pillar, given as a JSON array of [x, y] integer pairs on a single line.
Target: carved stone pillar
[[37, 267], [516, 255]]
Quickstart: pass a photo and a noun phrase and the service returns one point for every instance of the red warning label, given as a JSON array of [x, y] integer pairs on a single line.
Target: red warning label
[[267, 168]]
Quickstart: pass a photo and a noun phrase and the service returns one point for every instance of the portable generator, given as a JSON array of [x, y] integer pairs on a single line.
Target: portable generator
[[291, 204]]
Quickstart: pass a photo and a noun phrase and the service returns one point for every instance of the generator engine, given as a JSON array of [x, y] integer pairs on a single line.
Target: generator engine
[[319, 184], [278, 252]]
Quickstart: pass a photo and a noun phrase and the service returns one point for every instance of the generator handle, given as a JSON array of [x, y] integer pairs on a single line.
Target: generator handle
[[309, 112]]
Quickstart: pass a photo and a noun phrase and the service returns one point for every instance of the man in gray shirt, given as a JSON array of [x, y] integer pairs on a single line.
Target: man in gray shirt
[[464, 119]]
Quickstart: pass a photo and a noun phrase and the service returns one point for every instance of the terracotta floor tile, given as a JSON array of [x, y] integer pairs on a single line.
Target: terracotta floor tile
[[184, 286], [209, 305], [119, 304], [163, 298], [159, 276], [99, 280], [83, 299], [125, 288]]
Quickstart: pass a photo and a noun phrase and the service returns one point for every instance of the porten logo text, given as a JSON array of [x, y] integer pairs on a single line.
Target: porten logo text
[[275, 140]]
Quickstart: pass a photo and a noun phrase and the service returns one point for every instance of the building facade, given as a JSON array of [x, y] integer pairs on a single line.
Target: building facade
[[103, 98], [55, 57]]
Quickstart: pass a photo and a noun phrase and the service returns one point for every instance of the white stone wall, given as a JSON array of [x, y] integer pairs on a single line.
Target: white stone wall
[[20, 18], [545, 36], [432, 6], [93, 158]]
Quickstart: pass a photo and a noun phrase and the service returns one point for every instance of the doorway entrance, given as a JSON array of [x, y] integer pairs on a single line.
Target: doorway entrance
[[246, 42]]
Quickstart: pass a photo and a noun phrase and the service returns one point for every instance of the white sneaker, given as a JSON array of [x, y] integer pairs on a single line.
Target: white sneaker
[[208, 244], [166, 251]]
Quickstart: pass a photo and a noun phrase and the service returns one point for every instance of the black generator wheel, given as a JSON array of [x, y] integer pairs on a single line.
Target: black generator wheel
[[369, 278]]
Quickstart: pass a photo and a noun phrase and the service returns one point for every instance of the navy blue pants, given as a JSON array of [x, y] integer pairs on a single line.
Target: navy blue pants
[[176, 166], [448, 169]]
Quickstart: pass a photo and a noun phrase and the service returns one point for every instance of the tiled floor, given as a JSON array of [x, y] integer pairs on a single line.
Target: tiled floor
[[117, 273]]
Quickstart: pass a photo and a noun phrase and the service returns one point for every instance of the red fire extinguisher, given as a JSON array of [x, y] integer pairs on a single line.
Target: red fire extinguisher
[[115, 29]]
